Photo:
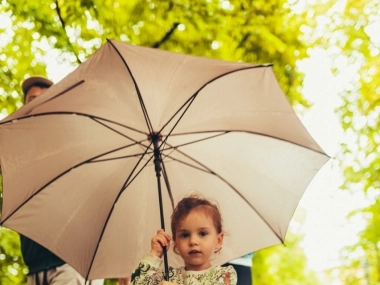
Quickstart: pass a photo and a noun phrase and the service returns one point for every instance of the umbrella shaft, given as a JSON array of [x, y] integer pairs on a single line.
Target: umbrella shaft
[[158, 169]]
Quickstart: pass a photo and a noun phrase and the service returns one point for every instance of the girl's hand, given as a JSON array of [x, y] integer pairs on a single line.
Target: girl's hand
[[157, 243], [167, 283]]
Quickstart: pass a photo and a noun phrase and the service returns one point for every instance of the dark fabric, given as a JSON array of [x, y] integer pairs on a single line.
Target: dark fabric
[[44, 278], [244, 274], [45, 282], [36, 257], [37, 279]]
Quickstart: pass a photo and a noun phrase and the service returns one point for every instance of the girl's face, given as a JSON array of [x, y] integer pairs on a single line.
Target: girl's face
[[197, 239]]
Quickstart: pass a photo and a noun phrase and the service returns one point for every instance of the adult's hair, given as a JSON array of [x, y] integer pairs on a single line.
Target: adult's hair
[[38, 81], [195, 203]]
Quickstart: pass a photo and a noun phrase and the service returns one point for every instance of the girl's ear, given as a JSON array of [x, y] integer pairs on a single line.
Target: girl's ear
[[175, 249], [220, 239]]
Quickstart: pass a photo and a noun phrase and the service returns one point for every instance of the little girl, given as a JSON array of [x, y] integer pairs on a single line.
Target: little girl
[[197, 234]]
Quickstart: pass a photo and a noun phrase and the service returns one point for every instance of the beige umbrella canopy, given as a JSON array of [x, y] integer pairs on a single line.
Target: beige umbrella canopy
[[78, 162]]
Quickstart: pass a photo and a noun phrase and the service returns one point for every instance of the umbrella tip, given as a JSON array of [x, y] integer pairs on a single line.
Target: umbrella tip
[[155, 137]]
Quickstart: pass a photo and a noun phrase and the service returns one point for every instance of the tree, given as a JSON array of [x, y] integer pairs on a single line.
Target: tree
[[350, 37], [262, 32], [10, 260], [283, 264], [366, 251], [259, 31]]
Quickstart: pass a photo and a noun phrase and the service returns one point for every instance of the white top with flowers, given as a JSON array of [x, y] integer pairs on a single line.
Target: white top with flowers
[[149, 273]]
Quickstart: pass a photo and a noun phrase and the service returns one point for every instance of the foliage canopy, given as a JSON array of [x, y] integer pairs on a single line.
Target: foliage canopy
[[350, 38], [262, 31]]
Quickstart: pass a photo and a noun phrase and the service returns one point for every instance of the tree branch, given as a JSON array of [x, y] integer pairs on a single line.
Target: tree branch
[[166, 36], [58, 9]]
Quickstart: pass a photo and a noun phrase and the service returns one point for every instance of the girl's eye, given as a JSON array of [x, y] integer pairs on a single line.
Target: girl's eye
[[184, 235], [203, 234]]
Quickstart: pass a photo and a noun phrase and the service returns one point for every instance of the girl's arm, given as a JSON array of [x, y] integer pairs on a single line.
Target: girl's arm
[[148, 272]]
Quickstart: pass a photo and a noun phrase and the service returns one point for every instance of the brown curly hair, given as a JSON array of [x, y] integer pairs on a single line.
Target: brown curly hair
[[191, 203]]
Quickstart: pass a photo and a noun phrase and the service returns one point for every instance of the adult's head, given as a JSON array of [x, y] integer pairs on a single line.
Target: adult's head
[[34, 86]]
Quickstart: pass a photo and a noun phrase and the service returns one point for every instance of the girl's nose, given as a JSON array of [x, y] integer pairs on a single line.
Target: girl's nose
[[193, 239]]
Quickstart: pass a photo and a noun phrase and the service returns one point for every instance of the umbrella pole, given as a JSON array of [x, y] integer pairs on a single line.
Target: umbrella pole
[[157, 166]]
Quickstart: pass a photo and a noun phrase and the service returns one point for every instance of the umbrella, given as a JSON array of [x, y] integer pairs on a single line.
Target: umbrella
[[83, 164]]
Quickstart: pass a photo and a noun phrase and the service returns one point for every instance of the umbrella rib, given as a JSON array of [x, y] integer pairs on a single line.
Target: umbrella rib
[[116, 131], [229, 184], [222, 132], [188, 103], [115, 158], [166, 179], [133, 170], [59, 94], [145, 112], [196, 141], [190, 165], [124, 156], [126, 185], [116, 199], [60, 175], [113, 206], [67, 89], [192, 97], [95, 118]]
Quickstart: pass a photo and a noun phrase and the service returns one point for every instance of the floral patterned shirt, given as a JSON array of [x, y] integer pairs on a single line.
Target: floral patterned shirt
[[149, 273]]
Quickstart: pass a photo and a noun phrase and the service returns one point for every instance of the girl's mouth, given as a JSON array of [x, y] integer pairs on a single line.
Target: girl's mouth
[[194, 252]]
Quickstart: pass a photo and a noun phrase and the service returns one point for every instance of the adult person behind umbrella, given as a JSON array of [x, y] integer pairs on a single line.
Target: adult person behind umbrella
[[243, 266], [45, 267]]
